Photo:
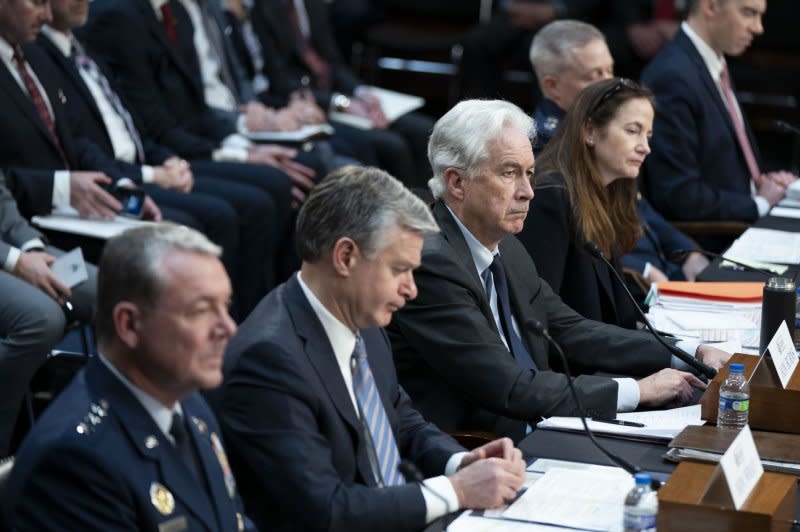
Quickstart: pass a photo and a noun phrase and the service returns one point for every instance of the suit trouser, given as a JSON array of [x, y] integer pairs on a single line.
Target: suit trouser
[[31, 323]]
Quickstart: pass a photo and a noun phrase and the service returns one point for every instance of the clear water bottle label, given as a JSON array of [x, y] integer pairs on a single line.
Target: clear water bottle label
[[644, 523], [731, 403]]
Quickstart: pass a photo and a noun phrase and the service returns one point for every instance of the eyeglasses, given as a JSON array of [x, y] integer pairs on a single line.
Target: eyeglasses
[[618, 86]]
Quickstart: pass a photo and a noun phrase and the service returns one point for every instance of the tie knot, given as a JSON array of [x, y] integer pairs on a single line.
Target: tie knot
[[724, 76], [496, 266], [177, 430], [360, 350], [19, 56]]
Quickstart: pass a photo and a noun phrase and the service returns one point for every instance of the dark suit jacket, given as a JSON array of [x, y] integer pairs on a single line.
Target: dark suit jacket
[[660, 238], [284, 63], [697, 170], [96, 458], [556, 247], [97, 152], [450, 357], [298, 451], [27, 150], [161, 82]]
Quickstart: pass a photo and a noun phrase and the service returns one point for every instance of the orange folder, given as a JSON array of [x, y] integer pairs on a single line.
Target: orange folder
[[732, 292]]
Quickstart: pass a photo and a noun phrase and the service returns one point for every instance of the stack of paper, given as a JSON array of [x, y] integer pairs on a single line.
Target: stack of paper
[[766, 245]]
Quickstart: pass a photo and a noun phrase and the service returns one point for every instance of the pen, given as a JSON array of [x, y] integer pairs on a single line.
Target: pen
[[620, 422]]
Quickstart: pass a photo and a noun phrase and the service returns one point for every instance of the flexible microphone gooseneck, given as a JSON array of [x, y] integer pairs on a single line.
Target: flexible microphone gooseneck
[[786, 127], [540, 329], [679, 255], [412, 474], [709, 372]]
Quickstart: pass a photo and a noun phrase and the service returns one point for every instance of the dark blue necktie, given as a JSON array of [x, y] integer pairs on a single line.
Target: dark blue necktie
[[514, 341]]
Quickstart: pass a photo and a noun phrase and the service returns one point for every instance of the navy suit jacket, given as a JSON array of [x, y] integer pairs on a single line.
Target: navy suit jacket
[[161, 81], [92, 135], [96, 461], [451, 359], [697, 170], [27, 151], [297, 446]]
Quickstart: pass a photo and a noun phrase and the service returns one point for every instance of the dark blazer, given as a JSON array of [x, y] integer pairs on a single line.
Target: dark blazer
[[96, 460], [97, 152], [584, 283], [27, 149], [284, 63], [659, 239], [697, 170], [162, 83], [298, 452], [450, 357]]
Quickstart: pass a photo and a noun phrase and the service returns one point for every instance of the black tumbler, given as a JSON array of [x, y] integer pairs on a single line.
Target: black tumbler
[[778, 304]]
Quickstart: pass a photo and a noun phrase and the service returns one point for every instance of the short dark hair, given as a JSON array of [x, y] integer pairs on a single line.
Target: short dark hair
[[360, 203]]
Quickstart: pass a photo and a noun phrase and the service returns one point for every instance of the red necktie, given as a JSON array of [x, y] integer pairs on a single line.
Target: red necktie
[[38, 102], [738, 125], [664, 10], [168, 20]]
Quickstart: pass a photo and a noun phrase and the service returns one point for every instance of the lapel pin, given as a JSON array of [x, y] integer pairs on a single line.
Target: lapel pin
[[161, 498]]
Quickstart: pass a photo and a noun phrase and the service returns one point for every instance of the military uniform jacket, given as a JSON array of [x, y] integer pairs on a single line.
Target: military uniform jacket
[[96, 460]]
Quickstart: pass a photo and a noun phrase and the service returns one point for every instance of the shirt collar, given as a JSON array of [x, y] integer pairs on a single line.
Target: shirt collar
[[482, 257], [341, 338], [161, 415], [62, 41], [156, 4], [6, 51], [714, 62]]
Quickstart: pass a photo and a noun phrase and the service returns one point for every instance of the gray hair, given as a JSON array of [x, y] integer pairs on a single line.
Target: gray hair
[[361, 203], [551, 49], [460, 138], [131, 267]]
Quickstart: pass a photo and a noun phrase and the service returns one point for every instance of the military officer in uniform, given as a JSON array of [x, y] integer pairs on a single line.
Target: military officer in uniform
[[130, 444]]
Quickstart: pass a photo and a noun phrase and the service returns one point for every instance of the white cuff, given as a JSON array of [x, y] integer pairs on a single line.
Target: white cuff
[[762, 205], [435, 507], [454, 463], [627, 394], [148, 173], [11, 259], [236, 155], [235, 140], [241, 124], [61, 188], [647, 268]]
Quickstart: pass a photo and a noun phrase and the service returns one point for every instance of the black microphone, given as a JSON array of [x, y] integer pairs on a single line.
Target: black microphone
[[594, 250], [540, 329], [413, 475], [679, 255], [786, 127]]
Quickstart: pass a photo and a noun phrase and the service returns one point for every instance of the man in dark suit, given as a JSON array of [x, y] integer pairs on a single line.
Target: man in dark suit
[[311, 405], [705, 163], [300, 52], [466, 349], [231, 214], [32, 319], [567, 56], [130, 444]]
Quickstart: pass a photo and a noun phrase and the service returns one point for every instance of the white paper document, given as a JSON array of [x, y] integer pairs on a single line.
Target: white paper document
[[394, 105], [767, 245], [70, 268], [583, 499], [307, 132], [658, 424], [785, 212], [102, 229]]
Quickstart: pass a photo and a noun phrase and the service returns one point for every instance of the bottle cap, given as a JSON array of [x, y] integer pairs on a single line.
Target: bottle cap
[[736, 368], [642, 479]]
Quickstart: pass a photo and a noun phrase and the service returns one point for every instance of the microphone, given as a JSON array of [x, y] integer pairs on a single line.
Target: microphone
[[679, 255], [413, 475], [786, 127], [540, 329], [595, 251]]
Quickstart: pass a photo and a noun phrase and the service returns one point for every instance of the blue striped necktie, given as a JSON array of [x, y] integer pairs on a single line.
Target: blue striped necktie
[[374, 416]]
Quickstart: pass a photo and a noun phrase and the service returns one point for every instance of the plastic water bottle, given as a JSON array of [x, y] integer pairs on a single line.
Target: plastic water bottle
[[734, 399], [641, 506]]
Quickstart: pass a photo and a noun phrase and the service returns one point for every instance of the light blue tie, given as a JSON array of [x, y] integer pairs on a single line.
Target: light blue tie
[[374, 416]]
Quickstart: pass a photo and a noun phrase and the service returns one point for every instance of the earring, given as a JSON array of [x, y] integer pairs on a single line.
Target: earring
[[590, 143]]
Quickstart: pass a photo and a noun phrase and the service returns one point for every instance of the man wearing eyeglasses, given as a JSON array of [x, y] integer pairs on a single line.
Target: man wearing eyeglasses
[[705, 163]]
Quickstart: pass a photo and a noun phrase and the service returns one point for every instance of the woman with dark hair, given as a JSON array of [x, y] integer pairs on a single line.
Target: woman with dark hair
[[585, 188]]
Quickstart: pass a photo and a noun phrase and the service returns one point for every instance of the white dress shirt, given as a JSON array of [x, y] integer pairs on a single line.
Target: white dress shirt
[[343, 342]]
